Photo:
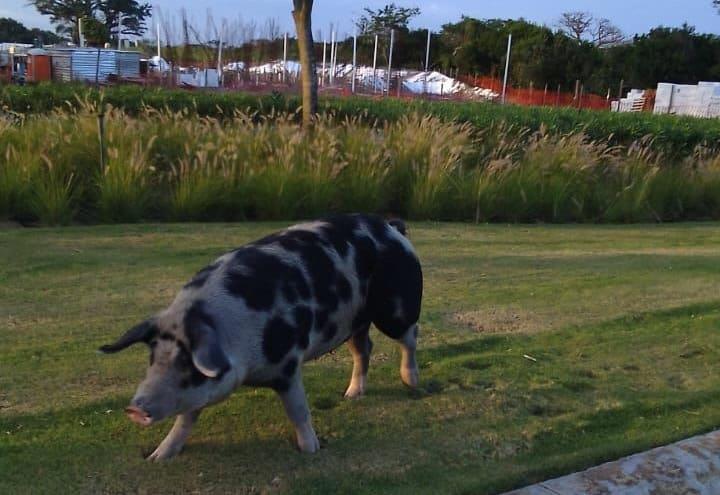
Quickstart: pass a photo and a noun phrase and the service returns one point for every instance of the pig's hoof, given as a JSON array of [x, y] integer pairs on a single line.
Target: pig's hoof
[[162, 454], [354, 392], [309, 445], [410, 377]]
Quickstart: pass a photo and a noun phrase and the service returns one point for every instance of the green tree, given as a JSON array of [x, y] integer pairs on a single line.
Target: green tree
[[14, 31], [382, 20], [95, 32], [66, 14], [134, 15]]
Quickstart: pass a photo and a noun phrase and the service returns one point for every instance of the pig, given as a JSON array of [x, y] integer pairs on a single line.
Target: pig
[[257, 313]]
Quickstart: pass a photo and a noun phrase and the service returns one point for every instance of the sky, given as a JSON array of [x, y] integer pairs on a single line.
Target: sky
[[632, 16]]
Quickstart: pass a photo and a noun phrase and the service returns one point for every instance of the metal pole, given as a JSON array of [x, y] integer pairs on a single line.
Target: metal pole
[[392, 42], [427, 53], [119, 30], [81, 37], [375, 65], [507, 68], [354, 72], [332, 57], [101, 134], [322, 74], [336, 54], [219, 65], [158, 38], [284, 73]]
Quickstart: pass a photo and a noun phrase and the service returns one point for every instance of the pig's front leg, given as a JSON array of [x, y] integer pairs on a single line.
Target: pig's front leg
[[174, 441], [297, 409]]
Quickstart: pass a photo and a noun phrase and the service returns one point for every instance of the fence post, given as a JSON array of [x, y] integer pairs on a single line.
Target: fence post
[[545, 94], [557, 100]]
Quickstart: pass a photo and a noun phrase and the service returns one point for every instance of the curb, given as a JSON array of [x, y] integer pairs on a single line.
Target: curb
[[690, 466]]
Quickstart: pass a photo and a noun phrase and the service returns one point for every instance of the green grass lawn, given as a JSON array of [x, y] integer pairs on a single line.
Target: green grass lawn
[[622, 325]]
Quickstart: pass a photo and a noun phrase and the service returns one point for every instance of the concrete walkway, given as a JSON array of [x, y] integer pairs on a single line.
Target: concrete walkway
[[688, 467]]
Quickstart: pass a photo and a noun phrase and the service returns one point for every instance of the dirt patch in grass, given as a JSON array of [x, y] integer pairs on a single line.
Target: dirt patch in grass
[[497, 320]]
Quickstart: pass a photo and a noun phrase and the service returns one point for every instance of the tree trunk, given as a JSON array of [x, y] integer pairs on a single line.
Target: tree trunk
[[303, 25]]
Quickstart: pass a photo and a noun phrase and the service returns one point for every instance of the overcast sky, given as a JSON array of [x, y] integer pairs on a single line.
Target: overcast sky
[[633, 16]]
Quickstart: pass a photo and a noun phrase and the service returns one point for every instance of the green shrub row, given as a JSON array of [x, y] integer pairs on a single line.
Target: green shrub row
[[675, 136], [182, 167]]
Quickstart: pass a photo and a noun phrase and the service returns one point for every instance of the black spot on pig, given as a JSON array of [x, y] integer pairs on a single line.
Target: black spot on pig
[[303, 323], [257, 275], [278, 338]]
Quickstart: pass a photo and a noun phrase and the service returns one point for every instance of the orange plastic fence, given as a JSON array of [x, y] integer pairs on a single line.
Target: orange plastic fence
[[541, 96]]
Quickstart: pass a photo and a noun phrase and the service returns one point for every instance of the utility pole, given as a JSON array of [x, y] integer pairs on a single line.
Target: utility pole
[[158, 39], [507, 68]]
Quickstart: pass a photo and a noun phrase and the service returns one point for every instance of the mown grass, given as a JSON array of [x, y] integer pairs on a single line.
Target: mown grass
[[622, 321], [182, 167], [675, 136]]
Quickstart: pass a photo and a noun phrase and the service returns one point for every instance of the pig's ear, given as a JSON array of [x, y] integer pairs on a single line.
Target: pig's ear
[[143, 332], [207, 355]]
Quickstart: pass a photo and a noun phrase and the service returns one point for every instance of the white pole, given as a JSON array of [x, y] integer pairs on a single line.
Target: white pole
[[322, 74], [119, 30], [354, 72], [375, 65], [427, 53], [334, 63], [284, 57], [80, 33], [219, 63], [332, 57], [158, 38], [507, 68], [392, 42]]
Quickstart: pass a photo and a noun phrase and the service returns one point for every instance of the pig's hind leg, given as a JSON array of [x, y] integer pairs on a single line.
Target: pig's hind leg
[[293, 397], [360, 346], [175, 440]]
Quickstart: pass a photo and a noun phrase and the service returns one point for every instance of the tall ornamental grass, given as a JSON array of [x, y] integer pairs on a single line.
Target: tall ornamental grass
[[179, 166]]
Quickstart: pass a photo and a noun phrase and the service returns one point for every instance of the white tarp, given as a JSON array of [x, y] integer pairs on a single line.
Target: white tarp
[[701, 100]]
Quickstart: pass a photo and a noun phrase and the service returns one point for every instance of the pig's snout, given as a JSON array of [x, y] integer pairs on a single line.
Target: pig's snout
[[138, 416]]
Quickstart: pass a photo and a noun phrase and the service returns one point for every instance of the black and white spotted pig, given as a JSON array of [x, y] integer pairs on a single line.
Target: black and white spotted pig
[[257, 313]]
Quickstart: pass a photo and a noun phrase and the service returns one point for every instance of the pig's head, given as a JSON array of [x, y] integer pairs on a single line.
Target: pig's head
[[188, 368]]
